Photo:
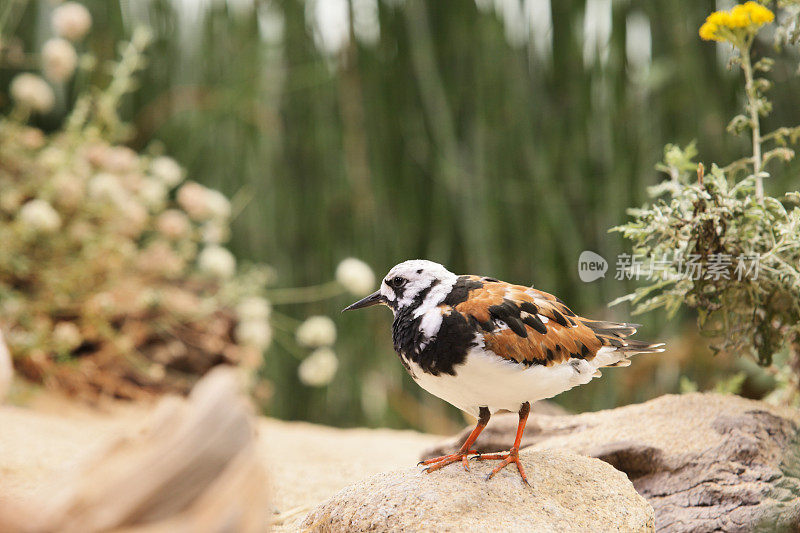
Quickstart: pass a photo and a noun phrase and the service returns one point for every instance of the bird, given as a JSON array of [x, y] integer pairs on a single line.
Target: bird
[[484, 345]]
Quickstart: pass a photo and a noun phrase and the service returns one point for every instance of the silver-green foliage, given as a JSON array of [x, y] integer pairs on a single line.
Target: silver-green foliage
[[713, 215]]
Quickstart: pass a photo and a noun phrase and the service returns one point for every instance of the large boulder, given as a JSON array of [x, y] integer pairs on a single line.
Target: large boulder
[[568, 492], [705, 462]]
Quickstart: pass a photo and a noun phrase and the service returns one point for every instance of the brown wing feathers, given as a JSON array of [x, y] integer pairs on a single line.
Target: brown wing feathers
[[534, 327]]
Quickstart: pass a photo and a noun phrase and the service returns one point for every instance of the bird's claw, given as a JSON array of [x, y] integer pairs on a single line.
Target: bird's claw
[[438, 462], [511, 457]]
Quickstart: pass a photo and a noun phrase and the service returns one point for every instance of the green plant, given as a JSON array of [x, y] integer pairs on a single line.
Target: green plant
[[744, 244]]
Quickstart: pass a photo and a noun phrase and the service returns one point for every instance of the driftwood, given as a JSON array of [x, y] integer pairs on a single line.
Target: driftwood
[[6, 369], [195, 469], [705, 462]]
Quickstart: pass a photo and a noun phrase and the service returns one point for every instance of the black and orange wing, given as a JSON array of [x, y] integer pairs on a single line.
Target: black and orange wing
[[530, 326]]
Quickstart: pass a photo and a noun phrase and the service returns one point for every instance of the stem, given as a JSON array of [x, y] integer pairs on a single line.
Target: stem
[[290, 347], [297, 295], [122, 77], [752, 97], [284, 322]]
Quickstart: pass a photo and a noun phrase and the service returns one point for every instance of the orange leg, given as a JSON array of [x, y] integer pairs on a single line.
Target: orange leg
[[513, 454], [462, 454]]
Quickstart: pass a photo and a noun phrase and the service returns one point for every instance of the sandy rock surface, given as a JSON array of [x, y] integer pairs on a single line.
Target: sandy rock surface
[[705, 462], [308, 463], [568, 492]]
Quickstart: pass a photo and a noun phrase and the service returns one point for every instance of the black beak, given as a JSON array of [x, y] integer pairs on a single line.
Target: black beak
[[373, 299]]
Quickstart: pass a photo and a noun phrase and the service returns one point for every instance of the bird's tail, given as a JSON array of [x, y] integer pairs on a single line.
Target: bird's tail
[[617, 347]]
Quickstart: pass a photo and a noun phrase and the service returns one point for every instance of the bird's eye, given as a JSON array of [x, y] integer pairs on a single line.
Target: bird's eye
[[397, 282]]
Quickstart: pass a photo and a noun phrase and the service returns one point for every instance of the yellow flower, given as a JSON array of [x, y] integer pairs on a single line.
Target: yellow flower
[[708, 32], [719, 18], [739, 17], [758, 13], [748, 16]]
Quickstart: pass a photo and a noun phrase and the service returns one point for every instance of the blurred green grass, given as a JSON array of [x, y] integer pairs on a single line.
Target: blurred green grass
[[442, 139]]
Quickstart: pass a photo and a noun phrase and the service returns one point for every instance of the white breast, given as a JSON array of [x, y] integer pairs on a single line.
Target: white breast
[[488, 380]]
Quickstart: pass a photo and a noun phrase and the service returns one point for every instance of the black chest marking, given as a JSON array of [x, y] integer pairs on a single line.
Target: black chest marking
[[406, 333], [447, 349]]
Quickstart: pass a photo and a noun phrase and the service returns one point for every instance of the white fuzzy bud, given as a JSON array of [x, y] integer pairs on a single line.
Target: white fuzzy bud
[[108, 187], [217, 261], [67, 336], [58, 60], [253, 308], [214, 232], [319, 368], [72, 21], [32, 92], [202, 203], [192, 198], [218, 205], [255, 333], [167, 171], [355, 276], [316, 331], [153, 194], [40, 216]]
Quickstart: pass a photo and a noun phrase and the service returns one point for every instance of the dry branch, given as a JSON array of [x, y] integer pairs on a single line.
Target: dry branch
[[6, 368], [195, 468]]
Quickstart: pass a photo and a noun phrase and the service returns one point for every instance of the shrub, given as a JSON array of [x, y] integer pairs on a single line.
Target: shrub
[[114, 276], [742, 245]]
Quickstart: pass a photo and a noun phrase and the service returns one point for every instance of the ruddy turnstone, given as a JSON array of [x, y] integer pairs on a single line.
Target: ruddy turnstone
[[484, 345]]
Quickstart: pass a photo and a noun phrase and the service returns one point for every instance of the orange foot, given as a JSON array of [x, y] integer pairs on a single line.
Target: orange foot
[[439, 462], [512, 456]]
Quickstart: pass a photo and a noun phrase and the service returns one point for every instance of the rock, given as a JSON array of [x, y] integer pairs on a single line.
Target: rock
[[568, 492], [309, 463], [546, 407], [705, 462]]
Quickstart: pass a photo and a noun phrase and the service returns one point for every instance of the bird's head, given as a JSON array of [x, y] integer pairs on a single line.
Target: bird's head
[[408, 284]]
